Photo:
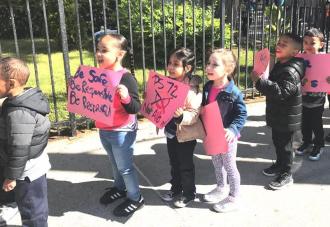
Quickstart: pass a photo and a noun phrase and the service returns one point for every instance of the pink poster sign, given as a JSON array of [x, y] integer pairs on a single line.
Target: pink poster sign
[[261, 63], [163, 96], [91, 93], [317, 75], [215, 141]]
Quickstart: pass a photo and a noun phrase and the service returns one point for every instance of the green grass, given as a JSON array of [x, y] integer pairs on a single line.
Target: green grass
[[8, 49]]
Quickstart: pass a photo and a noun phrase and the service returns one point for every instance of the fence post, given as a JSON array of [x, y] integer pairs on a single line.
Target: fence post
[[34, 58], [72, 118], [12, 17], [222, 23], [295, 18]]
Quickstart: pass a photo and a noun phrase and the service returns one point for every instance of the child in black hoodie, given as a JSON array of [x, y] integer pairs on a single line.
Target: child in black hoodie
[[283, 106]]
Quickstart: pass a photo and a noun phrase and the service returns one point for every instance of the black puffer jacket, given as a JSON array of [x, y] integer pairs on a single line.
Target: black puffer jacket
[[283, 95], [24, 130]]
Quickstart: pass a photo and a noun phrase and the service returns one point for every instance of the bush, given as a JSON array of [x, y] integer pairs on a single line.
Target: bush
[[86, 32]]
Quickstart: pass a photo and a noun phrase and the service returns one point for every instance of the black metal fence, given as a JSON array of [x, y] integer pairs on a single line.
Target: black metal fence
[[153, 29]]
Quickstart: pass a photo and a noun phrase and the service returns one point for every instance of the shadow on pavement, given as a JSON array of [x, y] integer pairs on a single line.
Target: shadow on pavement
[[255, 152]]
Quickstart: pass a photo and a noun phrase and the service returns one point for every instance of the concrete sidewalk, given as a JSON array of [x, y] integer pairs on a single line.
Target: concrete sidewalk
[[81, 171]]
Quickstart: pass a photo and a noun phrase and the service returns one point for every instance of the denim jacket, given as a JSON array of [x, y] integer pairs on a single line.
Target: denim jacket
[[231, 105]]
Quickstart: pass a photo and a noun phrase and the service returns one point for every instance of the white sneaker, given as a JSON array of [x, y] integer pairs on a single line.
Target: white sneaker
[[214, 195], [183, 202], [226, 205], [7, 212]]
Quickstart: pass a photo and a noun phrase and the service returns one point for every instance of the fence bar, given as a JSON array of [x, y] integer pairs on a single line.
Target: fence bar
[[231, 25], [299, 29], [142, 45], [131, 36], [203, 28], [174, 23], [184, 24], [270, 24], [117, 16], [284, 17], [212, 26], [304, 18], [164, 36], [153, 35], [327, 24], [104, 16], [310, 16], [14, 27], [263, 24], [222, 23], [93, 31], [294, 18], [76, 6], [255, 39], [34, 59], [65, 49], [194, 32], [247, 48], [278, 22], [239, 43], [291, 18], [50, 63]]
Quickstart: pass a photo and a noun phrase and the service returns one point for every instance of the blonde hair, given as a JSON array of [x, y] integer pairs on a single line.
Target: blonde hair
[[14, 68], [229, 60]]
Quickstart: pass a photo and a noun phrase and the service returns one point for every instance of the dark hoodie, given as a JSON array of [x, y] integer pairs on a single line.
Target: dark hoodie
[[25, 130], [283, 95]]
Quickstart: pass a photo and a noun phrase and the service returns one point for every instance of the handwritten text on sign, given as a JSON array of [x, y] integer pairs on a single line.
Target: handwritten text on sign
[[261, 63], [91, 93], [317, 75], [163, 96]]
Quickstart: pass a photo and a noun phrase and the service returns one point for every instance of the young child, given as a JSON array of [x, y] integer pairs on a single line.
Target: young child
[[181, 140], [24, 136], [313, 104], [119, 138], [8, 206], [221, 88], [283, 106]]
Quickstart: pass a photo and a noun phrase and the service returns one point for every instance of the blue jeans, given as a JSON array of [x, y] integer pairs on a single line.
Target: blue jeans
[[32, 202], [120, 146]]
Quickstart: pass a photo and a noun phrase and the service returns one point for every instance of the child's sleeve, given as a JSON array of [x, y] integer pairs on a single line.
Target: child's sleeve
[[134, 105], [192, 108], [20, 126], [240, 113], [285, 87]]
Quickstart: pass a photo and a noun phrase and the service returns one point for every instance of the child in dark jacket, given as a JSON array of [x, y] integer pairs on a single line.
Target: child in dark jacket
[[25, 127], [221, 88], [313, 104], [8, 206], [283, 106]]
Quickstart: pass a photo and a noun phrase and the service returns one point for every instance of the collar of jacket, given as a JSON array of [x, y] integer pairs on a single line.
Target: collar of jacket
[[228, 88]]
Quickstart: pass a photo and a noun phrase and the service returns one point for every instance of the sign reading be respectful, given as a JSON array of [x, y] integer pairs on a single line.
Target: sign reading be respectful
[[163, 96], [91, 93]]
